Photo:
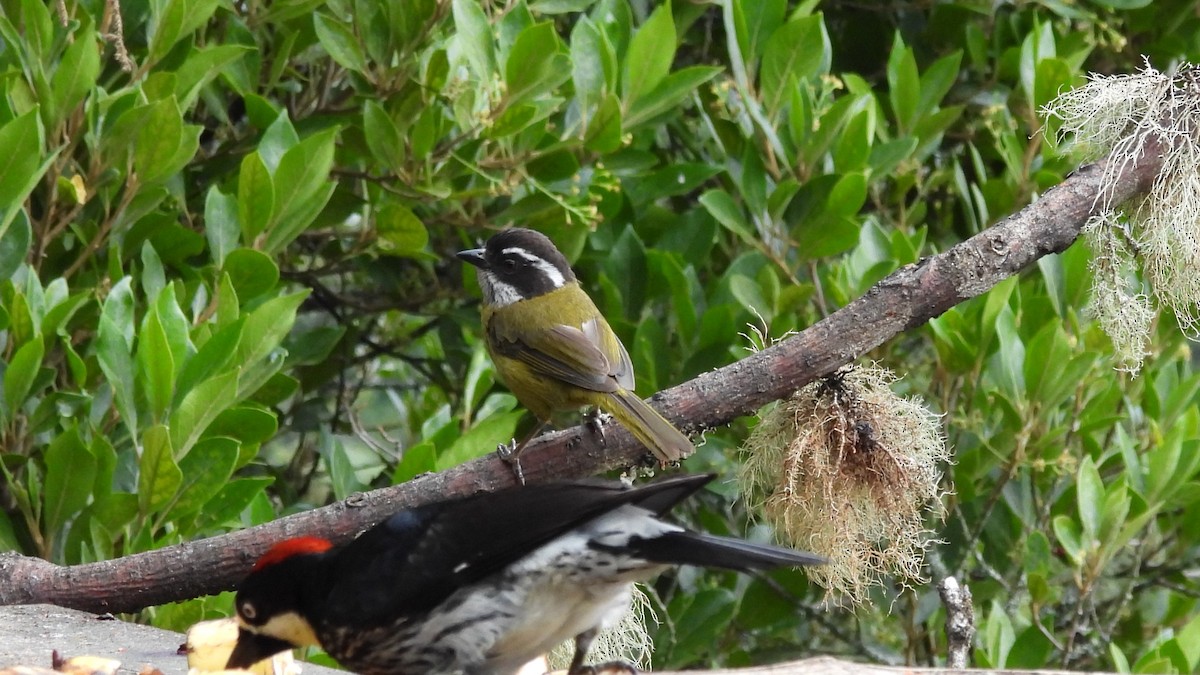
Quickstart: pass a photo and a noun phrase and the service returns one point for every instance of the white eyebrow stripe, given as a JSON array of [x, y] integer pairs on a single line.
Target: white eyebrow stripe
[[552, 273]]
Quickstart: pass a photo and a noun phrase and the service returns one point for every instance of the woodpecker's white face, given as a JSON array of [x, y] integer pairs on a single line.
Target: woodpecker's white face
[[288, 626], [516, 265]]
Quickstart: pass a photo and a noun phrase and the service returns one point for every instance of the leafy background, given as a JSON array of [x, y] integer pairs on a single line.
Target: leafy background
[[228, 292]]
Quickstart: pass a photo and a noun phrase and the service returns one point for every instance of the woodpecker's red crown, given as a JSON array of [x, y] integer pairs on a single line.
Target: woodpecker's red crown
[[290, 548]]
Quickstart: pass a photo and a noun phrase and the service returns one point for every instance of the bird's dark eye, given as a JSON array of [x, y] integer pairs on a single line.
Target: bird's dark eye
[[510, 264], [248, 611]]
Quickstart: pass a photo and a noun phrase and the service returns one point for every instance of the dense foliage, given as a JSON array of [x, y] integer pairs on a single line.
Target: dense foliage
[[226, 288]]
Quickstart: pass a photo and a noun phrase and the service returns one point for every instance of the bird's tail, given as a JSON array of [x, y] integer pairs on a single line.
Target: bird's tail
[[650, 428], [709, 550]]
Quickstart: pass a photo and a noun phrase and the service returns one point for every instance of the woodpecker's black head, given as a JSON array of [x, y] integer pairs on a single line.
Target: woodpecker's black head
[[518, 264], [272, 601]]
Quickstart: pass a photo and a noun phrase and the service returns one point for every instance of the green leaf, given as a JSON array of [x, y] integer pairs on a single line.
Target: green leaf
[[340, 43], [212, 357], [160, 136], [279, 137], [700, 618], [420, 458], [676, 179], [1030, 650], [176, 20], [885, 157], [1125, 5], [247, 424], [1189, 642], [1054, 76], [205, 471], [70, 473], [749, 294], [256, 198], [383, 137], [848, 195], [266, 327], [8, 534], [175, 326], [755, 21], [998, 635], [853, 146], [230, 501], [21, 139], [480, 439], [937, 80], [114, 343], [475, 38], [799, 50], [39, 31], [728, 214], [56, 317], [156, 366], [76, 73], [159, 476], [200, 407], [220, 224], [201, 67], [1008, 365], [904, 85], [649, 57], [400, 231], [342, 475], [251, 272], [536, 64], [593, 64], [301, 188], [14, 243], [154, 277], [302, 170], [1089, 495], [603, 132], [313, 346], [670, 93], [275, 390]]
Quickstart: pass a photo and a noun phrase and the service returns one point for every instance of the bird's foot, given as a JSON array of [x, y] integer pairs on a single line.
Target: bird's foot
[[607, 667], [510, 454], [594, 420]]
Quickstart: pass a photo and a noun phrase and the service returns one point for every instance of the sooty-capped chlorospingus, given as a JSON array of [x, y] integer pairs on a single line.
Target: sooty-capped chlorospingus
[[553, 348]]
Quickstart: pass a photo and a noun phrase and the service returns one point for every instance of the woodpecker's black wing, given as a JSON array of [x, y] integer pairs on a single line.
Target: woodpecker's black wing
[[415, 559]]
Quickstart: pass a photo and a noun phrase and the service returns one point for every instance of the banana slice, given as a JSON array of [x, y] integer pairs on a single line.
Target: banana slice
[[209, 644]]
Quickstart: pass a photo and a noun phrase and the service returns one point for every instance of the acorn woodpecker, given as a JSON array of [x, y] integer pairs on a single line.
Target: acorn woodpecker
[[481, 584]]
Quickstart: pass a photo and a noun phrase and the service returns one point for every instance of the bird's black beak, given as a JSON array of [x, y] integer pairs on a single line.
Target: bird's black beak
[[473, 256], [252, 648]]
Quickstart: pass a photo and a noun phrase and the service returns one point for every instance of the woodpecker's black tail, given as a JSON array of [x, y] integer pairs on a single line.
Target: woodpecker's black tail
[[707, 550], [662, 495]]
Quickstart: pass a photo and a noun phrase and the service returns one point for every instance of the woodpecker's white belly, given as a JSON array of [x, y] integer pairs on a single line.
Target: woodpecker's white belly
[[553, 614], [563, 589]]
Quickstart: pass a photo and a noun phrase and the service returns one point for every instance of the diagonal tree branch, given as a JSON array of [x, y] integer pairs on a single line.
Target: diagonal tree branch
[[904, 300]]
